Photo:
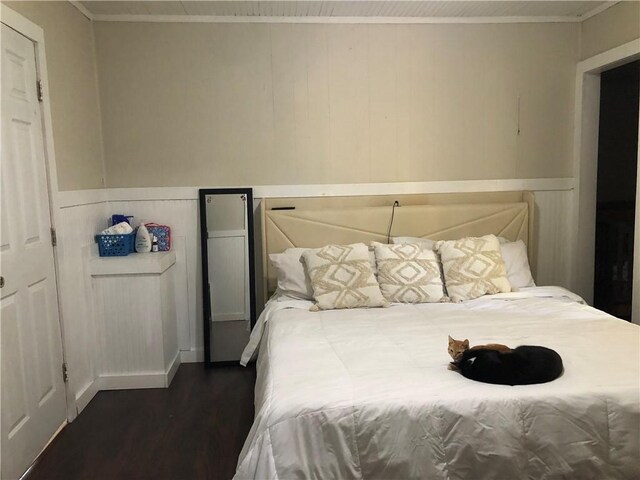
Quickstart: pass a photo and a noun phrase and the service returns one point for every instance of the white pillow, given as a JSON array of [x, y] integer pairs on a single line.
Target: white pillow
[[422, 241], [292, 279], [515, 259]]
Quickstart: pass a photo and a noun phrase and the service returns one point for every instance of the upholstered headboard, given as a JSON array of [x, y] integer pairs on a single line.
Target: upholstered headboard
[[316, 221]]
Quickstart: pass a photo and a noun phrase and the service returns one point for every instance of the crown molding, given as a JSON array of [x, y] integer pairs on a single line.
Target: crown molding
[[338, 20], [83, 10], [329, 20], [595, 11]]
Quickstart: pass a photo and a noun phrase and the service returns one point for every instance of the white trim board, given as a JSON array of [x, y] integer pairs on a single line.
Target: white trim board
[[86, 394], [595, 11], [331, 20], [84, 197], [82, 9], [74, 198], [139, 380], [635, 305], [620, 55], [195, 355]]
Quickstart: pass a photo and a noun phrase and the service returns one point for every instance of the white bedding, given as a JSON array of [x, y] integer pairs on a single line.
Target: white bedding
[[366, 394]]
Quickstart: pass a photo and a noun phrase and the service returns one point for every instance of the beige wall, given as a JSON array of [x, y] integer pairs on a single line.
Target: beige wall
[[613, 27], [73, 89], [235, 104]]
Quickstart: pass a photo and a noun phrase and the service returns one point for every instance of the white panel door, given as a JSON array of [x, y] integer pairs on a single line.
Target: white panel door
[[33, 393]]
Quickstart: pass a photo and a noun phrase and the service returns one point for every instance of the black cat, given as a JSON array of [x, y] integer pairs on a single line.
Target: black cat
[[524, 365]]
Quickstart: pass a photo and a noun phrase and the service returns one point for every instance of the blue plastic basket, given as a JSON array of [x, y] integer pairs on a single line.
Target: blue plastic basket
[[116, 245]]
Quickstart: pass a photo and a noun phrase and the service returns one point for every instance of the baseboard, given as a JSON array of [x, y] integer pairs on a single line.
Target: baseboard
[[139, 380], [132, 381], [192, 356], [173, 368], [86, 395]]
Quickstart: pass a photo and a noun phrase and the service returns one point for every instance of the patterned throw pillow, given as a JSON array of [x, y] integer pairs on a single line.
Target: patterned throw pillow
[[473, 267], [341, 277], [409, 273]]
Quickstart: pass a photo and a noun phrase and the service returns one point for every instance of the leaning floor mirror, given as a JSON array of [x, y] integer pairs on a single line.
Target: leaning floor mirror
[[228, 272]]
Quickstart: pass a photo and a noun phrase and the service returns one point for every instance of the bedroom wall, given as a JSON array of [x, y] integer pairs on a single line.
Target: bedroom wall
[[73, 90], [246, 104], [615, 26]]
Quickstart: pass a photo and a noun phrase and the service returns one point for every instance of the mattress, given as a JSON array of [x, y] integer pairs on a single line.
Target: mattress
[[366, 393]]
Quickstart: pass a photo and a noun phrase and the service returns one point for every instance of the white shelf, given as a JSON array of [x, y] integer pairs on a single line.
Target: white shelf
[[133, 264]]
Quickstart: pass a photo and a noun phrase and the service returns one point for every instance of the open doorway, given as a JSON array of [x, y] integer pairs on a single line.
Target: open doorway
[[616, 189]]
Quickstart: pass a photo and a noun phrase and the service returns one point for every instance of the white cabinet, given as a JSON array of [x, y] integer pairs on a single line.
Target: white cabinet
[[136, 314]]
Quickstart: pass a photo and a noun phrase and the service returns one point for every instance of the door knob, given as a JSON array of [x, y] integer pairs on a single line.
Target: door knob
[[1, 282]]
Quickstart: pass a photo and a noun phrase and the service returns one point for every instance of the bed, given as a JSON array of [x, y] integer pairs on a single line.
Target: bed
[[366, 393]]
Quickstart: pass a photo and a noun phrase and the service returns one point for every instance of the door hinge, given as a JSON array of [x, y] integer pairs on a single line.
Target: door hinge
[[39, 89], [54, 237], [65, 374]]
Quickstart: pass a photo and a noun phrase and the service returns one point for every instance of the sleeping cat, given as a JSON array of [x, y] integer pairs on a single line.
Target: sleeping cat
[[524, 365], [458, 347]]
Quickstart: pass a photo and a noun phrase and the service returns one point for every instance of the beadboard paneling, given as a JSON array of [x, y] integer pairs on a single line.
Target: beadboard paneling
[[75, 248], [553, 211], [118, 334]]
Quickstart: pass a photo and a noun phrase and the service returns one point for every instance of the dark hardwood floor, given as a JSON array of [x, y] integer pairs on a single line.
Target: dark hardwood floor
[[195, 429]]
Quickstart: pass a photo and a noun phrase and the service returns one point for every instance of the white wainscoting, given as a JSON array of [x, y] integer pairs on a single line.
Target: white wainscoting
[[76, 246], [86, 212], [553, 230], [182, 217]]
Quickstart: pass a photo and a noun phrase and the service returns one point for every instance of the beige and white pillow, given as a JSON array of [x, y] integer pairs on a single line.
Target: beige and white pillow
[[341, 277], [409, 273], [473, 267]]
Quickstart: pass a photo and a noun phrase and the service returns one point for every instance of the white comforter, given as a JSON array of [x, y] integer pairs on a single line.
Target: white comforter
[[366, 394]]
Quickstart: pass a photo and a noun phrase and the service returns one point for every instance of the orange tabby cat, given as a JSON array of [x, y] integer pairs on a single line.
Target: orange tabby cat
[[458, 347]]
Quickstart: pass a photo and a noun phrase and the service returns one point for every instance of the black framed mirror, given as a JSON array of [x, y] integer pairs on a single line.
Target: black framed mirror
[[228, 272]]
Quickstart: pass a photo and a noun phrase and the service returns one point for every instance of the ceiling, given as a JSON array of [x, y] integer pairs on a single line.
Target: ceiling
[[343, 10]]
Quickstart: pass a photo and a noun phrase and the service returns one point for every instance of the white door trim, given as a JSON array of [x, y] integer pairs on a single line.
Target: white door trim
[[35, 33], [585, 162], [635, 308]]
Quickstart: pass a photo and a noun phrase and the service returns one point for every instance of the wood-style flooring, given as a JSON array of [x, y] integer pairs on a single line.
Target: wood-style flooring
[[193, 430]]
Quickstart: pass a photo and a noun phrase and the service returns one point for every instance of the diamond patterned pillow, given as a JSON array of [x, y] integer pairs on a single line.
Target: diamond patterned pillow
[[409, 273], [473, 267], [342, 277]]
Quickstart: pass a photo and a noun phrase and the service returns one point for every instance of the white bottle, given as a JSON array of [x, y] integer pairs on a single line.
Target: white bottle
[[143, 239]]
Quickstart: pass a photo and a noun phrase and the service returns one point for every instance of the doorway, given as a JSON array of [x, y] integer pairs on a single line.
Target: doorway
[[33, 374], [616, 189]]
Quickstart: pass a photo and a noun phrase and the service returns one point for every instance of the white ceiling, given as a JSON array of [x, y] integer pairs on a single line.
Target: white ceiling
[[305, 10]]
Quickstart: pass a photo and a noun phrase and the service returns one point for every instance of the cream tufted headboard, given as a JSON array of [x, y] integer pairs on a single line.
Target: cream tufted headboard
[[317, 221]]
